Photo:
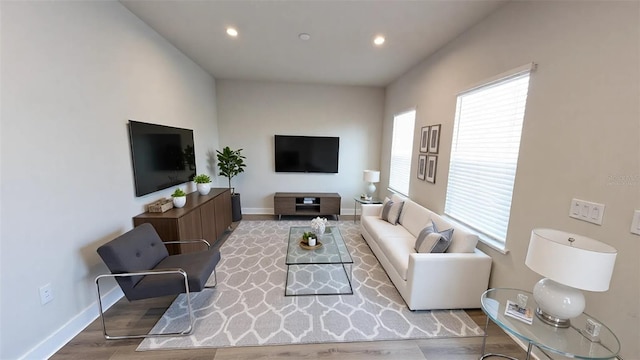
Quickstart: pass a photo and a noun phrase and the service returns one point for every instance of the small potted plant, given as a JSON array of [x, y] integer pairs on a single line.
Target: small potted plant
[[309, 238], [179, 198], [203, 183]]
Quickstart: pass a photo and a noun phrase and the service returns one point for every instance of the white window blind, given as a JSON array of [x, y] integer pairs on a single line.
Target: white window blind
[[401, 145], [484, 154]]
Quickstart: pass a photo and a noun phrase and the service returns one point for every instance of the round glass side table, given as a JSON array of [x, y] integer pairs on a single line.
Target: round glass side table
[[575, 341]]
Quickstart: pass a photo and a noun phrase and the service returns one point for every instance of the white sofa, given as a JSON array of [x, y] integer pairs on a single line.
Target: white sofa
[[455, 279]]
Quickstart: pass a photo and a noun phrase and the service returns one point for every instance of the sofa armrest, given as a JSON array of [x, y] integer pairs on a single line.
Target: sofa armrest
[[448, 280], [371, 209]]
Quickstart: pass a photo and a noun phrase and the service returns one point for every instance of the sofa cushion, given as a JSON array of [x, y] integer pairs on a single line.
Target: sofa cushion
[[415, 217], [397, 249], [380, 229]]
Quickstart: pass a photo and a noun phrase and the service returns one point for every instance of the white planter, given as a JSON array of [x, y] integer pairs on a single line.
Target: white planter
[[204, 189], [179, 201]]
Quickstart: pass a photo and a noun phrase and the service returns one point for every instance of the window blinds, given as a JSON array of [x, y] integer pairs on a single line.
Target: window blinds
[[484, 154], [401, 145]]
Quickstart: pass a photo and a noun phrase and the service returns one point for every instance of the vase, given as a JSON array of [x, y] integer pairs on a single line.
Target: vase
[[320, 229], [203, 189], [179, 201]]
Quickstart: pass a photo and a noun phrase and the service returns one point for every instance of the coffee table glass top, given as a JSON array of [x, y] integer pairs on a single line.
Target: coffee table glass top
[[569, 341], [332, 251], [325, 270]]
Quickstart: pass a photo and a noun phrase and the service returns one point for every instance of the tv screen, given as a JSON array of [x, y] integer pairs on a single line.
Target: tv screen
[[163, 156], [310, 154]]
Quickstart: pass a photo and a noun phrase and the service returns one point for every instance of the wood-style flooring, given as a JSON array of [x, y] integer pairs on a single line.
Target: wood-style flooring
[[141, 315]]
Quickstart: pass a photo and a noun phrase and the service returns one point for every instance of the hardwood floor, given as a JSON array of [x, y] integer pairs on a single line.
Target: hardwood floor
[[140, 316]]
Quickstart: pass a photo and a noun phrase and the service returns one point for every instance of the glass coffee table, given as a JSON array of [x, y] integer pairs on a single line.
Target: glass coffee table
[[573, 342], [324, 270]]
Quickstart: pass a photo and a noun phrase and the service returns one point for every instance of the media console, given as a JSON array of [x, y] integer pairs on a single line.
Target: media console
[[299, 203], [203, 217]]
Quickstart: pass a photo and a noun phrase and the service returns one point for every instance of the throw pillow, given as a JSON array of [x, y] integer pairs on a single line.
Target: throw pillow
[[420, 245], [445, 239], [384, 215], [430, 240], [394, 212]]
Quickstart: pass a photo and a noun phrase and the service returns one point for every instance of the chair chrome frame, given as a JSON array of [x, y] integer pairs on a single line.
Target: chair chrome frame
[[186, 332]]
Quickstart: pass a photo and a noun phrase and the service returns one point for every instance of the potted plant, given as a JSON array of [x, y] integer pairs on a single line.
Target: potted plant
[[179, 198], [231, 163], [309, 238], [203, 183]]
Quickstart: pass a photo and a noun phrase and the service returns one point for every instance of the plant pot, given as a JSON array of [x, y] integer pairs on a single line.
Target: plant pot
[[203, 189], [236, 209], [179, 201]]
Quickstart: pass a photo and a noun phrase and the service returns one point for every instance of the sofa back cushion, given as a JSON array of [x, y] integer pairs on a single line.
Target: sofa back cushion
[[414, 217]]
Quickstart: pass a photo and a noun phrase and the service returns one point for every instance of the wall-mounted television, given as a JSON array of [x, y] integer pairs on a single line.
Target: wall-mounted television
[[308, 154], [163, 156]]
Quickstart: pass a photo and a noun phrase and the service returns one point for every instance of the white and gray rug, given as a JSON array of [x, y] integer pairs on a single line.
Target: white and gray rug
[[248, 306]]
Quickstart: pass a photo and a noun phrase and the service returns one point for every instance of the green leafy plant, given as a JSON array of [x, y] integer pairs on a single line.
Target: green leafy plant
[[202, 179], [308, 235], [230, 163], [179, 192]]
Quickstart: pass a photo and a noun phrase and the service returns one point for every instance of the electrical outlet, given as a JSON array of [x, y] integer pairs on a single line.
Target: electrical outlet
[[46, 294], [586, 211]]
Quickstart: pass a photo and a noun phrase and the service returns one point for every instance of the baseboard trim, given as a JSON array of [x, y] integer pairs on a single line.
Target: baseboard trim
[[54, 342]]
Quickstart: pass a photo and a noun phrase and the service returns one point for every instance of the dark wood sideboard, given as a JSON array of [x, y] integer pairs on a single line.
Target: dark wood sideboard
[[203, 217]]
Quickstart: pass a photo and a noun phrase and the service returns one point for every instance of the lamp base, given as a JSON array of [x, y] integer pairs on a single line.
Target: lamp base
[[371, 189], [557, 303], [552, 320]]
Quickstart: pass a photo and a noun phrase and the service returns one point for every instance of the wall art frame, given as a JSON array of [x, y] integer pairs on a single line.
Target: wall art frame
[[422, 166], [424, 139], [432, 166], [434, 138]]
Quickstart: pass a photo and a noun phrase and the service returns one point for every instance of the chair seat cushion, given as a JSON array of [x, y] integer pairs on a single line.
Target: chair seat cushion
[[198, 266]]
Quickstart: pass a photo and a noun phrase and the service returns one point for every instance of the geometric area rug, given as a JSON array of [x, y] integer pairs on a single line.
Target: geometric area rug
[[248, 306]]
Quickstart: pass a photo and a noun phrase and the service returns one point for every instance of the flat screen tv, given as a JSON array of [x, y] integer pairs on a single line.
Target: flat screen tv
[[308, 154], [163, 156]]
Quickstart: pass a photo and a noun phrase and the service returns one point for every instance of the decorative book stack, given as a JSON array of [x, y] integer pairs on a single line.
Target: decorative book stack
[[517, 312]]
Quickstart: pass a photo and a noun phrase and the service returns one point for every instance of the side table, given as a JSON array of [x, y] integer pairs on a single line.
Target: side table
[[359, 200], [570, 342]]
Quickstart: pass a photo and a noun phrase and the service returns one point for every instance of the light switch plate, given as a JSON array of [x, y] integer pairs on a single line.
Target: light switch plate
[[586, 211], [635, 223]]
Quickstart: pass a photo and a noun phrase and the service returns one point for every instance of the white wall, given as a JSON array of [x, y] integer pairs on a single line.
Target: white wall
[[73, 74], [581, 135], [250, 113]]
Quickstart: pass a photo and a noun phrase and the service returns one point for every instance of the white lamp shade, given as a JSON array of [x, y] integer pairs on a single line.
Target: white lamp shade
[[585, 264], [371, 176]]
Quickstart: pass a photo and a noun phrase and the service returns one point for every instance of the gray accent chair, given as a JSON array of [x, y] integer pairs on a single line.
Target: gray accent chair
[[142, 266]]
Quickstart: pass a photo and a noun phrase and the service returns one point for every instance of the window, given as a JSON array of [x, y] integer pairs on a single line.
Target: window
[[484, 154], [401, 146]]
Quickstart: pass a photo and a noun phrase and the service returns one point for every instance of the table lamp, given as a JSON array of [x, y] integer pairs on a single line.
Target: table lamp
[[371, 176], [569, 263]]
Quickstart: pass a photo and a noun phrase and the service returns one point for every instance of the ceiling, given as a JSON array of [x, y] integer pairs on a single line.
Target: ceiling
[[340, 50]]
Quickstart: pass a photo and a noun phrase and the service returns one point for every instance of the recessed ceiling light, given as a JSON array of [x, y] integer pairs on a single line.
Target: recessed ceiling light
[[304, 36], [232, 32], [378, 40]]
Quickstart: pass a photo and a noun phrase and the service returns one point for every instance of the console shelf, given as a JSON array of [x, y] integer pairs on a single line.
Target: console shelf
[[306, 204]]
